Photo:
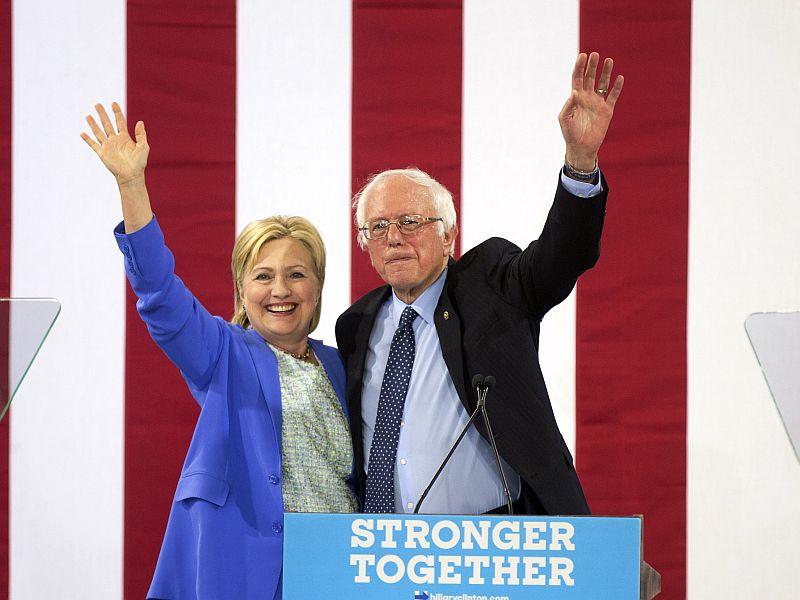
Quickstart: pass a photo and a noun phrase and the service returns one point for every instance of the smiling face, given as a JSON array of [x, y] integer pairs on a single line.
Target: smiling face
[[408, 263], [280, 294]]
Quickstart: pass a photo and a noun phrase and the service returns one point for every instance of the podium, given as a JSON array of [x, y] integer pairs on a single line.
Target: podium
[[456, 557], [24, 325]]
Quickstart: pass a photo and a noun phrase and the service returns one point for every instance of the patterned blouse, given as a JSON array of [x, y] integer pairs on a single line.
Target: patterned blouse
[[317, 453]]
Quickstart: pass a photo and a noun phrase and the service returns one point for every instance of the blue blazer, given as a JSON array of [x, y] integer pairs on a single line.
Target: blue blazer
[[224, 537]]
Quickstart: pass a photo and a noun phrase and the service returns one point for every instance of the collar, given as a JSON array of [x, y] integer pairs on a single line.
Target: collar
[[425, 305]]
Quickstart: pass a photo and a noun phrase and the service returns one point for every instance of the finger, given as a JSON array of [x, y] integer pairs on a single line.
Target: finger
[[611, 99], [577, 72], [591, 71], [605, 76], [98, 133], [141, 134], [90, 142], [122, 125], [107, 126]]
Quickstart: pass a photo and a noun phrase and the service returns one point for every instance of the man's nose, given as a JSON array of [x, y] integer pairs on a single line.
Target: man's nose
[[393, 236]]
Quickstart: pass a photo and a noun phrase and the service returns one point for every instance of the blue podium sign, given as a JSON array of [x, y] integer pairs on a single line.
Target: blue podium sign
[[437, 557]]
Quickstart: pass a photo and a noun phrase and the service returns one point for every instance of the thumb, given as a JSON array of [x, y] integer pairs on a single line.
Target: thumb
[[140, 133], [569, 106]]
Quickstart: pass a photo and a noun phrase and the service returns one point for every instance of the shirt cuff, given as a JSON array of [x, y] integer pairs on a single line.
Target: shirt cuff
[[579, 188]]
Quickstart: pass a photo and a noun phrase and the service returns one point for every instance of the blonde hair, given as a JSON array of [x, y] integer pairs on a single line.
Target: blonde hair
[[253, 238]]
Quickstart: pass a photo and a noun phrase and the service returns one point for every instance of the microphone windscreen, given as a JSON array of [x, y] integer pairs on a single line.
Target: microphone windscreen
[[477, 380], [489, 382]]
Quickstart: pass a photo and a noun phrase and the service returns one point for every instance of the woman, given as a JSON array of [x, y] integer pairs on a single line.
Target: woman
[[272, 434]]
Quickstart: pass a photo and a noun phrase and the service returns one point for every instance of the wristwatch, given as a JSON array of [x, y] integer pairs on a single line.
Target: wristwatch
[[578, 175]]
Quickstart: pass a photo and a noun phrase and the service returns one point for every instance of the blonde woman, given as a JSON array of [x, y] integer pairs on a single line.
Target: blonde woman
[[272, 435]]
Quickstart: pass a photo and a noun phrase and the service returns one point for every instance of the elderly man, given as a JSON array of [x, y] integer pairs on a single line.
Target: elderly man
[[412, 346]]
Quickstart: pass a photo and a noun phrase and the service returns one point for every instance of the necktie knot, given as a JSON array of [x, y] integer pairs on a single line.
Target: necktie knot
[[407, 318]]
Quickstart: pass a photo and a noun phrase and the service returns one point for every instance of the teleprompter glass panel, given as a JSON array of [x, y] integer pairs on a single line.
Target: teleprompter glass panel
[[24, 325], [775, 338]]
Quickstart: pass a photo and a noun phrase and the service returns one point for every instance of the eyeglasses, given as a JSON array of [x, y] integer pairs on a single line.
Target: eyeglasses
[[377, 229]]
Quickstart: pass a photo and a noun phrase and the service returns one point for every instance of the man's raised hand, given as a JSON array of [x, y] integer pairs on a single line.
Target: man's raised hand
[[587, 113]]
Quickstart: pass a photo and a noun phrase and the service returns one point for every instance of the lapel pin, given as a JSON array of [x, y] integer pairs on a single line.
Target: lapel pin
[[446, 315]]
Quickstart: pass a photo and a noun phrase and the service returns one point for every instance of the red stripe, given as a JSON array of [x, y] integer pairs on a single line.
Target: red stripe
[[5, 272], [406, 98], [631, 309], [181, 82]]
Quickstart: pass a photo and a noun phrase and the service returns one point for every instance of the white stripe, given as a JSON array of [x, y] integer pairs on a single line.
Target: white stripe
[[293, 127], [67, 420], [518, 58], [743, 477]]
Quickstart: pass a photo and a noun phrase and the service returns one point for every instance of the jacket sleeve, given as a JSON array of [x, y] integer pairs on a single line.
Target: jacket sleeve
[[541, 276], [190, 336]]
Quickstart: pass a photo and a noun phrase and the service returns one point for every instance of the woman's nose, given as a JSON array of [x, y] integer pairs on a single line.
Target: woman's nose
[[280, 287]]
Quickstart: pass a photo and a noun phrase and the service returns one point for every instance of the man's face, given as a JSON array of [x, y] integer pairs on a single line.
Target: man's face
[[408, 263]]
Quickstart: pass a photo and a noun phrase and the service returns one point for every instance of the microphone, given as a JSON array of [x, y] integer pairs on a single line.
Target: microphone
[[482, 386], [477, 380]]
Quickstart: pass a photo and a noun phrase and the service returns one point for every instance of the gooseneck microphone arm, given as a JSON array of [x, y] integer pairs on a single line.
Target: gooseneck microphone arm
[[482, 385], [488, 383], [476, 381]]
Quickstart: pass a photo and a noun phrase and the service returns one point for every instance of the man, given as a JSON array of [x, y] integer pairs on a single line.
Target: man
[[412, 347]]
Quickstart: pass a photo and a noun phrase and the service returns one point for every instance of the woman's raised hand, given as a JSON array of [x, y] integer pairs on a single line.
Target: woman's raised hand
[[125, 157]]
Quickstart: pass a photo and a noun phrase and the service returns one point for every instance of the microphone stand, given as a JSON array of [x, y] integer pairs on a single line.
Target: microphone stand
[[482, 386]]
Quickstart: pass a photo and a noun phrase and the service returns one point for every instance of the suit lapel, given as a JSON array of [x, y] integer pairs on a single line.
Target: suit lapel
[[266, 366], [448, 328], [355, 374], [355, 365]]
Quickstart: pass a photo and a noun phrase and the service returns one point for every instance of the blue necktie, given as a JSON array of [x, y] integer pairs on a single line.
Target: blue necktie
[[383, 451]]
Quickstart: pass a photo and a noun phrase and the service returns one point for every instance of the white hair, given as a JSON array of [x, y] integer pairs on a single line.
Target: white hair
[[441, 197]]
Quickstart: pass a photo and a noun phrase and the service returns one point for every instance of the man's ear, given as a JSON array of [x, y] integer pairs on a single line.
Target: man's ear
[[449, 240]]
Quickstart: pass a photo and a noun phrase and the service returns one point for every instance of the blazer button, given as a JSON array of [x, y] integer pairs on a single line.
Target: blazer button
[[277, 527], [273, 479]]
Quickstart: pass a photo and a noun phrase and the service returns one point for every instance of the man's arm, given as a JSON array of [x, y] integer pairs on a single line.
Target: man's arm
[[542, 275], [570, 241]]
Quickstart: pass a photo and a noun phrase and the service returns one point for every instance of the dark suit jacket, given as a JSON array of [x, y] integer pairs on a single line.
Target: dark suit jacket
[[494, 298]]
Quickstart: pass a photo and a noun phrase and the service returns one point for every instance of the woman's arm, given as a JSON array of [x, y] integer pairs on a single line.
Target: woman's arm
[[176, 320]]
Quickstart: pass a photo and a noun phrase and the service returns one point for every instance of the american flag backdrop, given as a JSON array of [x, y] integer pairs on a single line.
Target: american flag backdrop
[[259, 107]]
